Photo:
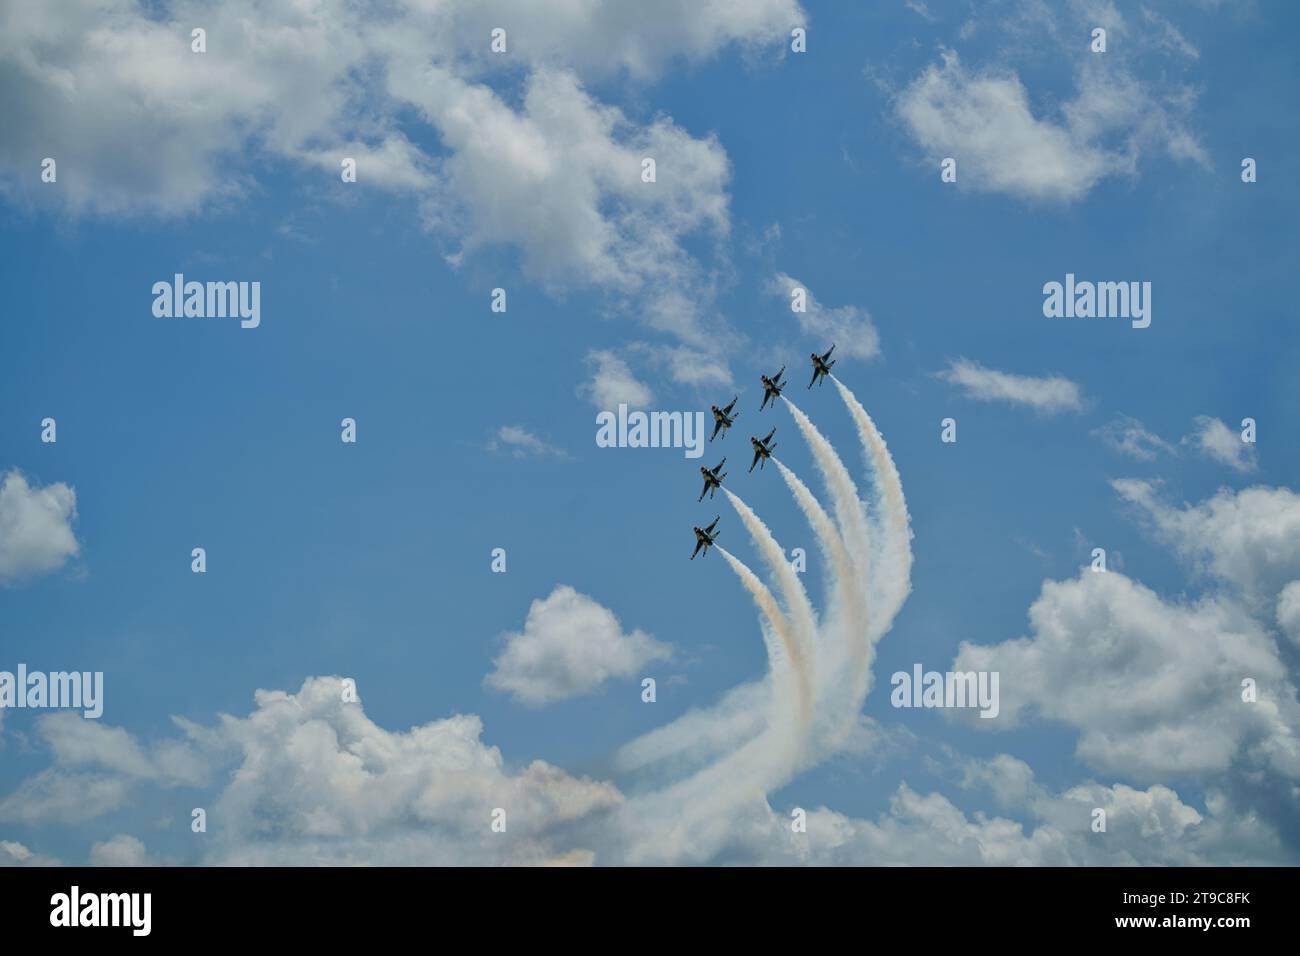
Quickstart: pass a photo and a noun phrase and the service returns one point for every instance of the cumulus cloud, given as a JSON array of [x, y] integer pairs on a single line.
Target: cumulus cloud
[[612, 383], [1050, 394], [315, 781], [1128, 436], [570, 645], [560, 179], [121, 850], [1288, 611], [36, 534], [1144, 827], [1217, 441], [139, 124], [308, 778], [984, 119], [848, 327], [1153, 687], [94, 771], [1249, 538]]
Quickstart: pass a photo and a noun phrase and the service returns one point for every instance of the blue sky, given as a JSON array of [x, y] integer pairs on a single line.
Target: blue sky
[[371, 560]]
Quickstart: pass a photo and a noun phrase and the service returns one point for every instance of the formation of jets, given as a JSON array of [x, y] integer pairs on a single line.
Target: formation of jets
[[724, 418]]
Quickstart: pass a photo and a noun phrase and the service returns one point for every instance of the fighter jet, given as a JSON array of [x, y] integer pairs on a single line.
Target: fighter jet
[[705, 537], [772, 388], [821, 367], [723, 419], [712, 479], [762, 450]]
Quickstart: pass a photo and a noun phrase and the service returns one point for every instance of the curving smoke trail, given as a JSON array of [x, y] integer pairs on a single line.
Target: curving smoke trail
[[895, 581], [776, 632], [841, 649], [828, 538], [844, 493], [853, 643], [757, 738], [803, 622]]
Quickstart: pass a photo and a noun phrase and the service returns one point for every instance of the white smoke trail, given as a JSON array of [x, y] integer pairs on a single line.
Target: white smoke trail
[[871, 562], [691, 808], [776, 632], [828, 538], [700, 735], [841, 649], [895, 582], [844, 493], [853, 640], [802, 620]]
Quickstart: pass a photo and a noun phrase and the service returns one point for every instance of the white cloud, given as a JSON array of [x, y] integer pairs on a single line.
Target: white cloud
[[308, 778], [1288, 611], [561, 179], [1216, 440], [15, 854], [1051, 394], [36, 534], [121, 850], [985, 121], [570, 646], [848, 327], [1249, 538], [95, 768], [521, 443], [55, 796], [603, 37], [315, 781], [139, 124], [1153, 687], [1168, 36], [920, 9], [1151, 827], [1130, 437], [612, 383], [687, 365]]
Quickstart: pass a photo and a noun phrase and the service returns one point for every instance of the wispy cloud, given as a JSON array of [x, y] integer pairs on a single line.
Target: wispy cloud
[[522, 443], [1049, 394], [1217, 441], [849, 327], [984, 117], [1129, 436]]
